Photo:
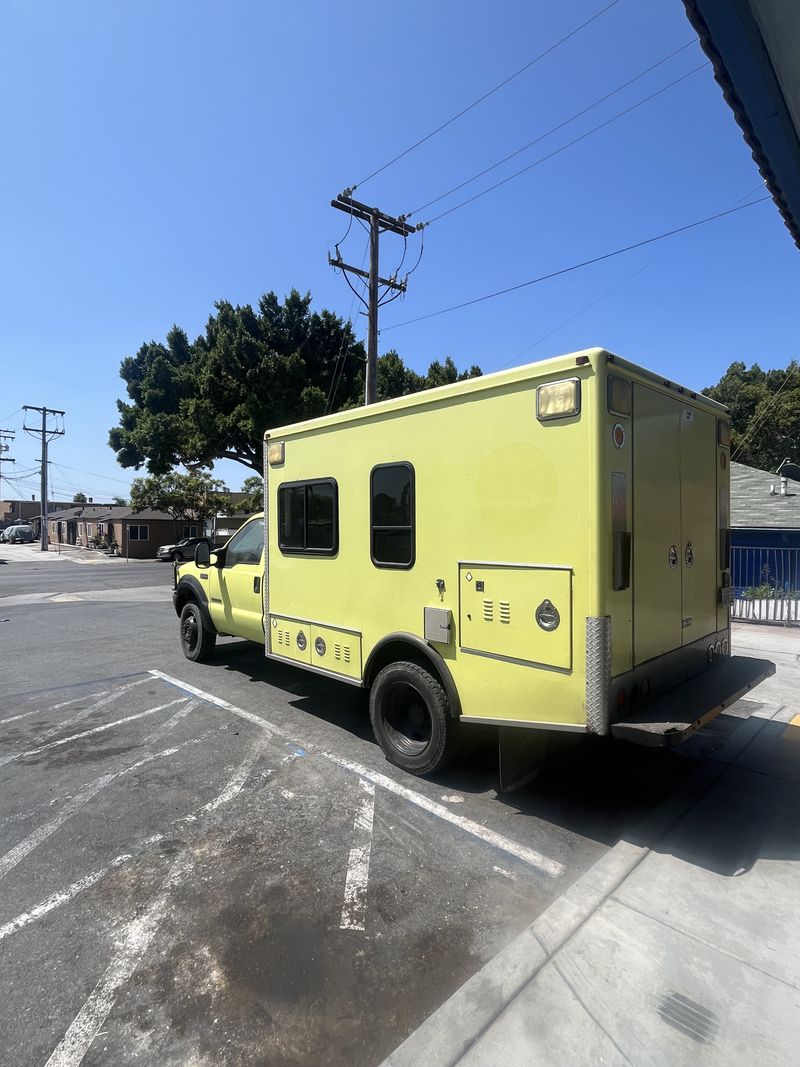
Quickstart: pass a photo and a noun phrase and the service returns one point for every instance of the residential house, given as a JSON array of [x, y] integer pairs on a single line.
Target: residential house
[[765, 530], [136, 536]]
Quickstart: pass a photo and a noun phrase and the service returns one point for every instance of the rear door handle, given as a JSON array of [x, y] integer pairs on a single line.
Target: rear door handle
[[257, 584]]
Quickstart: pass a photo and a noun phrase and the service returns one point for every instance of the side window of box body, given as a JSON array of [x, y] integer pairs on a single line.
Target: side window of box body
[[308, 517], [393, 515]]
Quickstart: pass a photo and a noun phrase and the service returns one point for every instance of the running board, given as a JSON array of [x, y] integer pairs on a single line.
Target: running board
[[679, 713]]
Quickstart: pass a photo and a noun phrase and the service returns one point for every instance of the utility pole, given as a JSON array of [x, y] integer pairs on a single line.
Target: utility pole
[[378, 223], [47, 435], [5, 437]]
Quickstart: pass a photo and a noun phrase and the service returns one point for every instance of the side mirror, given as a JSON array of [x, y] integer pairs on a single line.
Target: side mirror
[[202, 555]]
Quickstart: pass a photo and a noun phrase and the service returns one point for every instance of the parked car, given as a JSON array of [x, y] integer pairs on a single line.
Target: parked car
[[20, 534], [183, 550]]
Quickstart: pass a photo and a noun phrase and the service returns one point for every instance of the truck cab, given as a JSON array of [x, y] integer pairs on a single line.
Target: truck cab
[[220, 592]]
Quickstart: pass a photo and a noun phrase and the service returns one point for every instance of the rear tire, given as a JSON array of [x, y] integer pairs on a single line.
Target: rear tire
[[197, 637], [411, 718]]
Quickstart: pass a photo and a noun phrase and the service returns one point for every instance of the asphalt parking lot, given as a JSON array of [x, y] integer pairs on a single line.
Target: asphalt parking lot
[[215, 865]]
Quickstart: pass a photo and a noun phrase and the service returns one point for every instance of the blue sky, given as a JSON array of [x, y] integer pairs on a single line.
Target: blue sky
[[158, 157]]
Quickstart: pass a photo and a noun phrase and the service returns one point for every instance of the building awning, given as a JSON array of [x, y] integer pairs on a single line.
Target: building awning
[[754, 48]]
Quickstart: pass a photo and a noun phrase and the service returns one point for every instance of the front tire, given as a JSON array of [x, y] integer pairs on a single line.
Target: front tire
[[197, 637], [411, 717], [176, 557]]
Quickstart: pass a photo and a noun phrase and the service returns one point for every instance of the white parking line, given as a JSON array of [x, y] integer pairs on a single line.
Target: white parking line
[[84, 713], [269, 727], [542, 863], [528, 855], [234, 786], [76, 1042], [172, 722], [354, 911], [41, 833], [54, 707], [55, 900], [95, 730], [138, 936]]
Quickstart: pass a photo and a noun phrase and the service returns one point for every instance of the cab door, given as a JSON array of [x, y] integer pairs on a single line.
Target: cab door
[[657, 538], [240, 579]]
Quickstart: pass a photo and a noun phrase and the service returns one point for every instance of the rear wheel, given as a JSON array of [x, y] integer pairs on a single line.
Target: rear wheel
[[411, 718], [197, 637]]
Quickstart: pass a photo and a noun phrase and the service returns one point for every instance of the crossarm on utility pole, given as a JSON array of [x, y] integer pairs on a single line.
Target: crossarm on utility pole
[[378, 223]]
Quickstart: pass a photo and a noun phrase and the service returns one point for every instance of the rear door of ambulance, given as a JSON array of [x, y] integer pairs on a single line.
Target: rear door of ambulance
[[676, 573]]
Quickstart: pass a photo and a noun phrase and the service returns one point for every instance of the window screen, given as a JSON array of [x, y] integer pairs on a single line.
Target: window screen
[[308, 519], [392, 515]]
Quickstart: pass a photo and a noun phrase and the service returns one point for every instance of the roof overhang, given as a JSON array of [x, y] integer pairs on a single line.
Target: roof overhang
[[754, 48]]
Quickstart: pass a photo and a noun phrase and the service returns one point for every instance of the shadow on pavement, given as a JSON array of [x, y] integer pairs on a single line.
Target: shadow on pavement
[[595, 787]]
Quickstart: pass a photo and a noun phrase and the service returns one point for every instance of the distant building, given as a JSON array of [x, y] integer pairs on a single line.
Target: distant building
[[29, 511]]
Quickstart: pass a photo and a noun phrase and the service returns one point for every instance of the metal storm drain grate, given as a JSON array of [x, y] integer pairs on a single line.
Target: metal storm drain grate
[[689, 1017]]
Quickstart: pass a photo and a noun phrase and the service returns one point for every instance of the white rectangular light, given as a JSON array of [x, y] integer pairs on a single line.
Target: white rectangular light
[[276, 453], [558, 400]]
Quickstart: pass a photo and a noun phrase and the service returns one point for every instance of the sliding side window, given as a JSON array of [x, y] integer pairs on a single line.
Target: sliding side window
[[392, 515], [308, 518]]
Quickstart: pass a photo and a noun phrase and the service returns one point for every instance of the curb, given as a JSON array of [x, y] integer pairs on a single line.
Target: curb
[[449, 1033]]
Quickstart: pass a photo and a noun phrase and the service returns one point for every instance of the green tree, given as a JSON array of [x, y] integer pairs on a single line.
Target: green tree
[[79, 498], [193, 402], [254, 487], [765, 413], [119, 501], [195, 496]]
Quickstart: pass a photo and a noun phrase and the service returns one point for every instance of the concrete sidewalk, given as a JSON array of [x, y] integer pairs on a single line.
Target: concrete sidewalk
[[681, 945], [32, 553]]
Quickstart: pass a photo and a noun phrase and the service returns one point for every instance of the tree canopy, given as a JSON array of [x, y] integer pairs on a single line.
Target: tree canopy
[[79, 498], [183, 496], [254, 487], [193, 402], [765, 413]]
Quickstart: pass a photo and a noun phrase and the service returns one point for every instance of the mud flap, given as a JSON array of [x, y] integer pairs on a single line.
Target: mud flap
[[521, 756]]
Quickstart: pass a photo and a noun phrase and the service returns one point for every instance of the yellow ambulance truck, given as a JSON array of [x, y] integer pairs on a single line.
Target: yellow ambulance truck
[[545, 548]]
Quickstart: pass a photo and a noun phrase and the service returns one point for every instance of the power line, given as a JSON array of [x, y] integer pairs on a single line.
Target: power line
[[578, 266], [609, 292], [94, 474], [563, 148], [578, 314], [554, 129], [757, 422], [485, 95]]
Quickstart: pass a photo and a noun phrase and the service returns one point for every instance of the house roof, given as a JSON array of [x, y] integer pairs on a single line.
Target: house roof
[[87, 511], [106, 513], [753, 507]]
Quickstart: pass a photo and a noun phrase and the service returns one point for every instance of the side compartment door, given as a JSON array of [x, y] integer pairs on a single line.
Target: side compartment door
[[240, 581], [657, 540], [699, 522]]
